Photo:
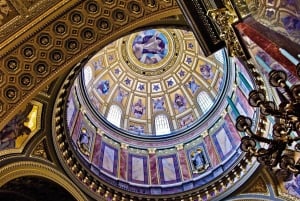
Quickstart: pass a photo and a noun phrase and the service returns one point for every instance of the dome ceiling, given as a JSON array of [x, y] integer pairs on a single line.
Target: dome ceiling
[[114, 103], [154, 75]]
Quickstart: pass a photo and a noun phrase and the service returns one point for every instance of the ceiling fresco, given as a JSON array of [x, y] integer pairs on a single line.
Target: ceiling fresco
[[142, 74], [155, 72], [15, 135], [108, 124], [283, 16]]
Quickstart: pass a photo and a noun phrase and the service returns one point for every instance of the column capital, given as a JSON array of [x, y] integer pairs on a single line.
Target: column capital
[[124, 146], [151, 150], [179, 146]]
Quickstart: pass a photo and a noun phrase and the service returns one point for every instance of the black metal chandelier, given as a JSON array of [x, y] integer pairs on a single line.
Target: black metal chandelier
[[284, 143]]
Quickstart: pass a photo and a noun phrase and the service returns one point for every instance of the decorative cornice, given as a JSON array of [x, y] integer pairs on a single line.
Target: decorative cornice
[[30, 168], [99, 188], [54, 44]]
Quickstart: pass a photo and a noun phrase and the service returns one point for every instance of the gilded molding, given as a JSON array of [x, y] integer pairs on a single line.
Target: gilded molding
[[242, 8], [20, 148], [30, 168], [288, 197], [28, 18], [40, 150], [41, 49], [98, 188], [259, 186], [224, 19]]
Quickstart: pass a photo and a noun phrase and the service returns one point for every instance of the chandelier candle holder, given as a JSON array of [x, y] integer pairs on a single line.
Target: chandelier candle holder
[[283, 146]]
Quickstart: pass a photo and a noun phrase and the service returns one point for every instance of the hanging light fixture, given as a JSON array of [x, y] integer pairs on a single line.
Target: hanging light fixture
[[284, 143], [282, 148]]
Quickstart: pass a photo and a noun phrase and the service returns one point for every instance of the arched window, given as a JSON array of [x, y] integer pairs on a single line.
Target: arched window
[[204, 101], [162, 125], [114, 115], [219, 56], [88, 74]]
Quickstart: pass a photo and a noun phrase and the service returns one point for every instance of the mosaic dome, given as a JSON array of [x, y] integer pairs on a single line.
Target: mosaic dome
[[150, 114], [155, 81]]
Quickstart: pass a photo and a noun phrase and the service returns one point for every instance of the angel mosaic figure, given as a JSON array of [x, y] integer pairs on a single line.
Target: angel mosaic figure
[[158, 104], [206, 71], [186, 121], [179, 102], [192, 85], [103, 87], [137, 128], [149, 49], [120, 95], [98, 65], [138, 109], [15, 128], [4, 10]]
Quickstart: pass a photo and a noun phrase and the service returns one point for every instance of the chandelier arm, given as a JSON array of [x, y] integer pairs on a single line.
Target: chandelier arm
[[293, 169], [267, 152], [266, 109], [252, 151], [289, 92], [278, 156], [257, 137], [294, 139], [273, 112]]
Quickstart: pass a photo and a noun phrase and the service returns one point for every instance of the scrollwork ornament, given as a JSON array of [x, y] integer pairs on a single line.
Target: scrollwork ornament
[[242, 8], [224, 18]]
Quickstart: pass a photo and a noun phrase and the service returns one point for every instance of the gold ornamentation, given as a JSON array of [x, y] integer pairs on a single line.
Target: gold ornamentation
[[62, 59], [80, 172], [15, 128], [4, 10], [30, 168], [259, 187], [179, 147], [224, 18], [40, 150], [242, 8], [152, 150]]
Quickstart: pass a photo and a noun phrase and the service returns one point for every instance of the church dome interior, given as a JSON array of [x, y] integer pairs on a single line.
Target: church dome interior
[[127, 100], [149, 113]]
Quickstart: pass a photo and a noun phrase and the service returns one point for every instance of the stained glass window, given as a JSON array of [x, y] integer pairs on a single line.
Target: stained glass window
[[219, 56]]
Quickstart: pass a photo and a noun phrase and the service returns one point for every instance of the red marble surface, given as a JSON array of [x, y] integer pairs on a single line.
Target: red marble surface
[[184, 165], [123, 164], [214, 159], [97, 151], [76, 129], [267, 45], [153, 169]]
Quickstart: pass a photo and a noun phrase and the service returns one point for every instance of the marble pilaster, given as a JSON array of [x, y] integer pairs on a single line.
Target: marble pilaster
[[183, 161], [97, 149], [153, 166], [267, 45], [123, 161]]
